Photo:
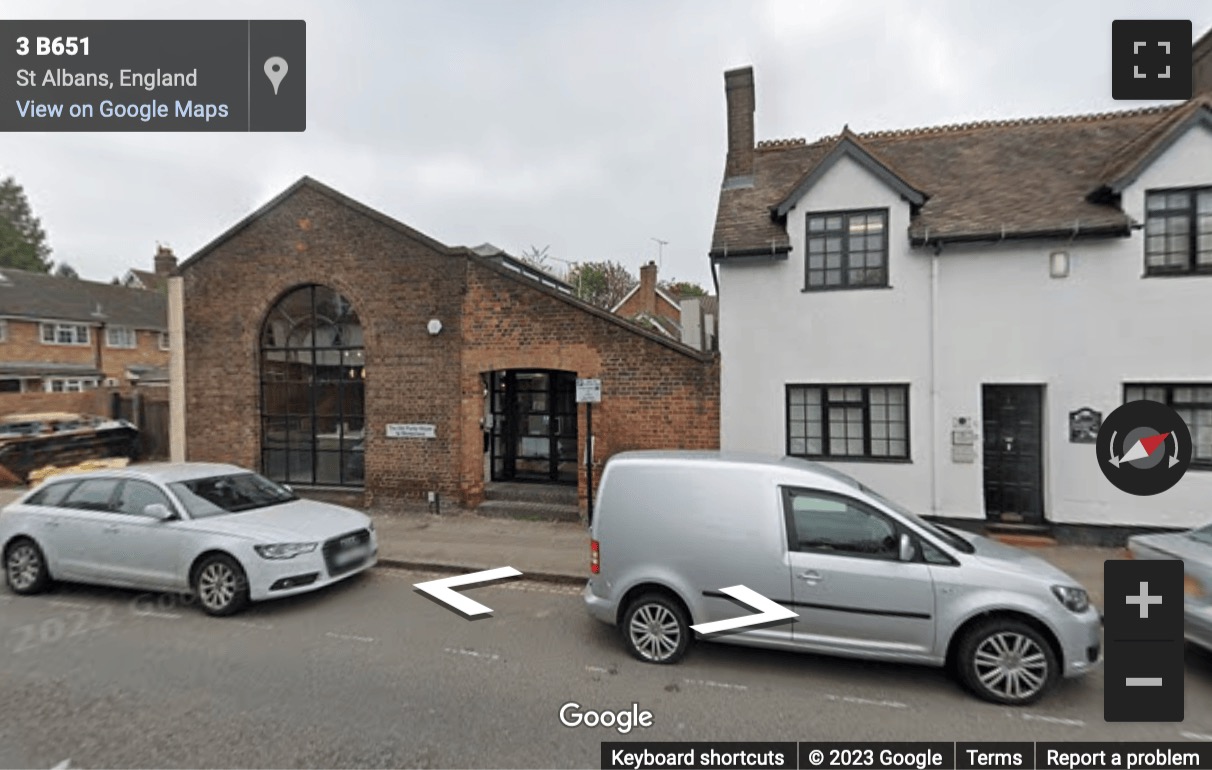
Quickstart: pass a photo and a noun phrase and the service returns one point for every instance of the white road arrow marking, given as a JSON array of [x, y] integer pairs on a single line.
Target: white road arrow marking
[[767, 609], [442, 589]]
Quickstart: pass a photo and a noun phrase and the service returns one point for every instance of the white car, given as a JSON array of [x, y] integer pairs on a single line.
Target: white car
[[224, 534]]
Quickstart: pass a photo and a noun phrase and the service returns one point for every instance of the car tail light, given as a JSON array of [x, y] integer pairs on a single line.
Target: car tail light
[[1191, 587], [595, 557], [1128, 554]]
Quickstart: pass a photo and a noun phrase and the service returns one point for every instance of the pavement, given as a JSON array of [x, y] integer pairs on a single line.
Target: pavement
[[460, 541]]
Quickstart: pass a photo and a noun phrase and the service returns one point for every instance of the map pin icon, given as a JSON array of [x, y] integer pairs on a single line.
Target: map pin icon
[[275, 70]]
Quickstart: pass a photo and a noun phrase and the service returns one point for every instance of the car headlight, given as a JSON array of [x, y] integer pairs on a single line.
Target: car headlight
[[1074, 598], [283, 550]]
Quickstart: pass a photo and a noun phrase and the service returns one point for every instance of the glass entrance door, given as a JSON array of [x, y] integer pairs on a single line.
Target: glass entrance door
[[534, 426]]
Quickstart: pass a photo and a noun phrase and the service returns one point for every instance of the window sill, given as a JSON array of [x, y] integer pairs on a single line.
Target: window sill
[[852, 459], [1205, 273], [823, 289]]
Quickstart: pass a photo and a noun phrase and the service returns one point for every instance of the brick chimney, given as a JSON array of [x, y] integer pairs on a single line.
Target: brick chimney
[[738, 90], [166, 261], [648, 285], [1201, 65]]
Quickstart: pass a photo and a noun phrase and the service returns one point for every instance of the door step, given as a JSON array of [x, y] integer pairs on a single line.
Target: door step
[[1022, 535], [529, 510], [515, 491]]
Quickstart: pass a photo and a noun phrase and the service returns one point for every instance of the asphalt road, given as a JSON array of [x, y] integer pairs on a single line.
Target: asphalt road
[[371, 673]]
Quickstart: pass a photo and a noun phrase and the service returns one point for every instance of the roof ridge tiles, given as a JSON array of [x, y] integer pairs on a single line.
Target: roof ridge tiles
[[952, 128]]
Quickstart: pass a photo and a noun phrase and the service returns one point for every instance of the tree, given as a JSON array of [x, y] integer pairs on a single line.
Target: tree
[[536, 258], [601, 283], [65, 270], [22, 240], [683, 289]]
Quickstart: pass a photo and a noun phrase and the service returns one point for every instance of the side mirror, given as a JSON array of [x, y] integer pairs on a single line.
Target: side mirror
[[157, 511], [907, 551]]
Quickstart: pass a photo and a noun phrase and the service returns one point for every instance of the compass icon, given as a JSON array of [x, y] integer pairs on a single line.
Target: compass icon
[[1144, 447]]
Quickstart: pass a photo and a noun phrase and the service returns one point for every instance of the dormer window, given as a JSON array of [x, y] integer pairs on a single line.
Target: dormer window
[[1178, 231], [847, 250]]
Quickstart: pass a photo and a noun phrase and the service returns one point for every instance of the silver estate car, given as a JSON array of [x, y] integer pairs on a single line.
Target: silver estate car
[[866, 577]]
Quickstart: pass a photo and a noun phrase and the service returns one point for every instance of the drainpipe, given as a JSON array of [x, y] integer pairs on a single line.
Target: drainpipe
[[934, 395]]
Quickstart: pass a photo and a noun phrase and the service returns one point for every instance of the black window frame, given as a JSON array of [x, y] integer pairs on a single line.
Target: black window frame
[[1191, 212], [1197, 464], [865, 405], [844, 234], [294, 385]]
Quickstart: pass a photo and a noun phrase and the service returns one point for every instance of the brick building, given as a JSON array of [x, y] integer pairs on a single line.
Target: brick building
[[71, 336], [329, 345], [691, 319]]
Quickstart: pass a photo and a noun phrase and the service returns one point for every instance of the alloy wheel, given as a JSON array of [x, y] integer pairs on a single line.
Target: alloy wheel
[[24, 566], [655, 632], [217, 586], [1011, 665]]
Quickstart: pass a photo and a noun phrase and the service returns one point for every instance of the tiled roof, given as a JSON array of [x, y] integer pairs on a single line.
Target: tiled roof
[[150, 280], [40, 296], [989, 179], [44, 368]]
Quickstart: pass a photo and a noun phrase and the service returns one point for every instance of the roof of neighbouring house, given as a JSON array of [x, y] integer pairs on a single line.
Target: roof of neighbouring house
[[38, 296], [47, 368], [971, 181], [146, 279]]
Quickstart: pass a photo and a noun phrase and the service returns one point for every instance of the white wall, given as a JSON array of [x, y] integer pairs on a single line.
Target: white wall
[[1000, 319], [773, 333]]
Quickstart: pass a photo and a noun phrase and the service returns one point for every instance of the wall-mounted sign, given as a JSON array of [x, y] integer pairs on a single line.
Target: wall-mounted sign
[[589, 391], [411, 430], [963, 453], [963, 436], [1083, 425]]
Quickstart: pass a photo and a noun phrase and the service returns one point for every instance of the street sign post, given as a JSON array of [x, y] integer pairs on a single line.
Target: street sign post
[[589, 392]]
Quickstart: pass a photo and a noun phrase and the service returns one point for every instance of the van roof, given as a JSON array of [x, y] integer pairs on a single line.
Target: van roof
[[751, 459]]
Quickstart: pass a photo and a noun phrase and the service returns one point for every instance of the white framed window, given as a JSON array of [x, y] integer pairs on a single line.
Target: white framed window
[[164, 343], [120, 337], [65, 334], [69, 384], [3, 330]]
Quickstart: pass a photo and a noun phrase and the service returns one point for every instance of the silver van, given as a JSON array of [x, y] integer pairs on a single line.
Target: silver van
[[866, 577]]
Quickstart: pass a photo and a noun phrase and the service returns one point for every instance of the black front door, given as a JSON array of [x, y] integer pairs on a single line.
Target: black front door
[[1012, 417], [534, 426]]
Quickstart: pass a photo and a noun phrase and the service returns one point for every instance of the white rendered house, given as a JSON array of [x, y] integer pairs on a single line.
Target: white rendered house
[[944, 313]]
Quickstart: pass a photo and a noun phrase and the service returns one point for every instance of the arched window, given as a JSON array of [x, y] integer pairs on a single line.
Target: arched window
[[312, 390]]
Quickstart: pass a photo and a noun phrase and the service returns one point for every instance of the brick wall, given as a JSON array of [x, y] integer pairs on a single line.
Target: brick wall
[[395, 282], [146, 353], [88, 402], [23, 342], [655, 394]]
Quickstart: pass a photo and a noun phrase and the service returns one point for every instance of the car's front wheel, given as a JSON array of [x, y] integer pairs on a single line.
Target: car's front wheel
[[220, 585], [655, 629], [1006, 661], [25, 567]]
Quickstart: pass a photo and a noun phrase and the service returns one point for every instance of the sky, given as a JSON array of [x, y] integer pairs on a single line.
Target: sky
[[589, 128]]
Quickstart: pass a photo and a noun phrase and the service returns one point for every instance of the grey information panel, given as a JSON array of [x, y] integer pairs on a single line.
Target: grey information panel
[[153, 75]]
